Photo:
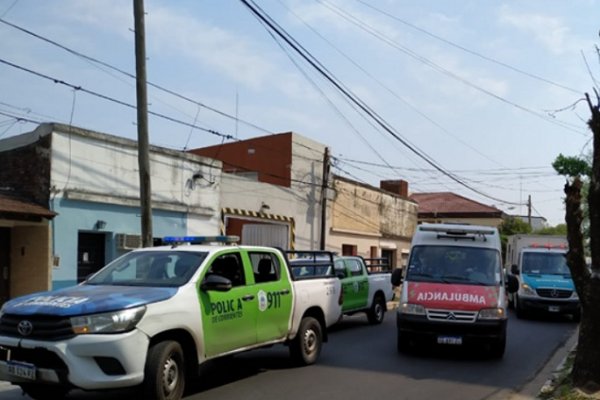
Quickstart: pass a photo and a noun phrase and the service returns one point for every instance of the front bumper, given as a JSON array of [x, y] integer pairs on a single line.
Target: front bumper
[[86, 361], [418, 328], [549, 305]]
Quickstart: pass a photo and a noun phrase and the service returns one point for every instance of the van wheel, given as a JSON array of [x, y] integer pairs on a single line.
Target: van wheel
[[577, 316], [403, 343], [497, 348], [519, 308], [40, 391], [376, 313], [306, 346], [164, 374]]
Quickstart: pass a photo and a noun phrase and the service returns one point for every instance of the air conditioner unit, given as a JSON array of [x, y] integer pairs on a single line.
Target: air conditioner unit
[[128, 242]]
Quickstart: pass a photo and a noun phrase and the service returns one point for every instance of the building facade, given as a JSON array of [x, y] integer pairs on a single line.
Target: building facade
[[92, 185]]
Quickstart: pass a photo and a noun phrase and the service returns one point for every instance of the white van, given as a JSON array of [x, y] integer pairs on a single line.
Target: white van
[[453, 291]]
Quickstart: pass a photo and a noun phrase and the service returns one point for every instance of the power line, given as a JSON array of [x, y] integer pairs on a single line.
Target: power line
[[259, 13], [156, 86], [113, 100], [467, 50], [374, 32]]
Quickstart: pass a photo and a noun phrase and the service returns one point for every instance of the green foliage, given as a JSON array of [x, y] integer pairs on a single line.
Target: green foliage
[[571, 166], [514, 225], [560, 229]]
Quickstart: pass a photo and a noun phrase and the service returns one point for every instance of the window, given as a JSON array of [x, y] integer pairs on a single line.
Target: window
[[354, 266], [229, 266], [265, 267], [349, 250]]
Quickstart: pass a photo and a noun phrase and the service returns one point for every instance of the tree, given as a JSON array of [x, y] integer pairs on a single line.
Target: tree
[[560, 229], [586, 367]]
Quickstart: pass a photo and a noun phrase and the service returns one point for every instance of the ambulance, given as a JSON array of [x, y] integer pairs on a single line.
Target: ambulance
[[453, 289]]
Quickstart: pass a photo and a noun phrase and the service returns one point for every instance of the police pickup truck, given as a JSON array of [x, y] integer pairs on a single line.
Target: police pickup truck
[[151, 317], [366, 284]]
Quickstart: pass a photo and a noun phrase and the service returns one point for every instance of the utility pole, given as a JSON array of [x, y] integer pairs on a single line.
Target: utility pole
[[142, 122], [529, 211], [324, 197]]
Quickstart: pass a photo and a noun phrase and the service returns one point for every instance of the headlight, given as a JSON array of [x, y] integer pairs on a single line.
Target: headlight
[[527, 289], [492, 313], [112, 322], [408, 308]]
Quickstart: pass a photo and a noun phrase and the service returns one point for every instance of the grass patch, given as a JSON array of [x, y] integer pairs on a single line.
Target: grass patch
[[561, 387]]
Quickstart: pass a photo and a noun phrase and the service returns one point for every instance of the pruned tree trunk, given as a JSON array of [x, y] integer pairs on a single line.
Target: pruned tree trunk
[[586, 369]]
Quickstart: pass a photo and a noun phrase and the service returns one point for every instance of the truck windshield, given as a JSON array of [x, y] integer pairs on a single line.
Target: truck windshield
[[149, 268], [454, 264], [546, 263]]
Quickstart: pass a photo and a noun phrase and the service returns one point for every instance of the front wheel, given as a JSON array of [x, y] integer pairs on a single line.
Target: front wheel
[[377, 311], [521, 313], [402, 343], [306, 346], [164, 374], [40, 391], [497, 348]]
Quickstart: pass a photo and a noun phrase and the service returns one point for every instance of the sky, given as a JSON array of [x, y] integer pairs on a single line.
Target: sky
[[472, 97]]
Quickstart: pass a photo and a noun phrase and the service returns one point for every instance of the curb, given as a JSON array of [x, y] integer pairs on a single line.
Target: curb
[[546, 376]]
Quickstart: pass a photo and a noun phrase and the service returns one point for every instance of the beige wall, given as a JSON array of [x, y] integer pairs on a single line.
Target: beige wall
[[30, 260], [368, 217]]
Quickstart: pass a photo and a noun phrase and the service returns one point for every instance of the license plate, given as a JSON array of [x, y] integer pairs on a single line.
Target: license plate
[[553, 308], [22, 370], [454, 340]]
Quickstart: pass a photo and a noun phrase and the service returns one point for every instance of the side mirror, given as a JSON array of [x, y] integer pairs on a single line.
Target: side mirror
[[514, 269], [340, 274], [512, 285], [215, 282], [397, 277]]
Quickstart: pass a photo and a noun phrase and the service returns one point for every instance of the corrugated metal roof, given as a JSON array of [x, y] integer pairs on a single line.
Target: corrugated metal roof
[[14, 205]]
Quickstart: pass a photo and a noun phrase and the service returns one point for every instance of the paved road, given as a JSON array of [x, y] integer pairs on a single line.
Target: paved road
[[361, 362]]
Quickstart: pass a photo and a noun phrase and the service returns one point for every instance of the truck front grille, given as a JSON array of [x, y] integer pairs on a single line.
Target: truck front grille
[[36, 327], [553, 293], [451, 316]]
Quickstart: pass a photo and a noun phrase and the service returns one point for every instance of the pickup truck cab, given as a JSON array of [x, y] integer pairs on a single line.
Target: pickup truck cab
[[366, 286], [151, 317], [453, 291]]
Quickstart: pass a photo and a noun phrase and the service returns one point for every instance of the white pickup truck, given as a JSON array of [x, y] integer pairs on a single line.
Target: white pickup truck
[[367, 286], [152, 316]]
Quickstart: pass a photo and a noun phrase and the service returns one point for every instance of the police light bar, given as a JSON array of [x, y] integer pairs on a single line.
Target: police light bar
[[226, 239], [548, 246]]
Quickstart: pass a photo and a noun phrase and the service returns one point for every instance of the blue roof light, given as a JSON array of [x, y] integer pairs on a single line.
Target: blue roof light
[[226, 239]]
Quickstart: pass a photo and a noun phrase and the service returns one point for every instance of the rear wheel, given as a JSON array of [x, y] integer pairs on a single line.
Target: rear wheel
[[306, 346], [376, 313], [164, 374], [40, 391]]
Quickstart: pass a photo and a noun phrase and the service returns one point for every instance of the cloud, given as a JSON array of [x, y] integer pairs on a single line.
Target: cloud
[[550, 31]]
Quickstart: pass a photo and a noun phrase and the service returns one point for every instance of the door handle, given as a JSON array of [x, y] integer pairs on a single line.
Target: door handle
[[284, 291], [248, 297]]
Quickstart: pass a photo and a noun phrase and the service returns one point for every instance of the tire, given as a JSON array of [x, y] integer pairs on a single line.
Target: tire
[[164, 373], [402, 343], [376, 313], [497, 348], [306, 346], [40, 391], [519, 308]]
